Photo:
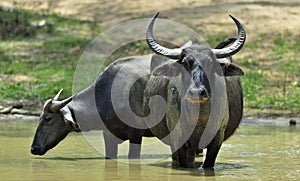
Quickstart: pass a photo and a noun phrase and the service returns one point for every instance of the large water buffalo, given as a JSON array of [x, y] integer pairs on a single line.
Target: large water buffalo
[[93, 109], [199, 70]]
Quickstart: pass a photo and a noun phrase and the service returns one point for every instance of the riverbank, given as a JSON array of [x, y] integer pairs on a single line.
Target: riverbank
[[34, 68], [19, 112]]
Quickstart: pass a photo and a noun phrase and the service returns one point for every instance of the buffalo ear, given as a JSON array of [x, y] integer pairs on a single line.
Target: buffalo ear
[[156, 61], [169, 69], [68, 118], [230, 69], [187, 44]]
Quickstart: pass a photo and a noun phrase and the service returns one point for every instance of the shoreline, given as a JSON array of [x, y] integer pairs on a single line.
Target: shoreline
[[257, 118], [12, 110]]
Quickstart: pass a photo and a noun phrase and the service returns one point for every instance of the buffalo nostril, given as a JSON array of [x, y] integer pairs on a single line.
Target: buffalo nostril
[[200, 92], [33, 149], [193, 92]]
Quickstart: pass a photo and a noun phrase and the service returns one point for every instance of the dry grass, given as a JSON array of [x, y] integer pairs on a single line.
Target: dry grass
[[270, 57]]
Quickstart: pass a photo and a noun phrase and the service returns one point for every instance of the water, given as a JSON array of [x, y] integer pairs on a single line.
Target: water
[[255, 152]]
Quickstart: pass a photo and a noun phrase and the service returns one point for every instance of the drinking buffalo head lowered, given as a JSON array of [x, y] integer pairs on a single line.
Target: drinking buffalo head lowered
[[54, 125], [198, 61]]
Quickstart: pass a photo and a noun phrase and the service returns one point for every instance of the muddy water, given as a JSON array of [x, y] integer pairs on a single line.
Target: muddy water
[[255, 152]]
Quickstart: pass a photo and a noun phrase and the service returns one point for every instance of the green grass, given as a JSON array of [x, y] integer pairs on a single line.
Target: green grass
[[272, 71], [271, 81], [214, 40], [48, 58], [281, 46]]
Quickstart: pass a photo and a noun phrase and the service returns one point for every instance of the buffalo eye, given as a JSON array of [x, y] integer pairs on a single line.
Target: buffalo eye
[[47, 119], [187, 62]]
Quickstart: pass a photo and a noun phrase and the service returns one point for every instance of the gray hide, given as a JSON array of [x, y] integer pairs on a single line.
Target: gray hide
[[200, 74], [92, 109]]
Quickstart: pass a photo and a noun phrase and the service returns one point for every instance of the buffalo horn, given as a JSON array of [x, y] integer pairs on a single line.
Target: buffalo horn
[[157, 48], [175, 53], [236, 46], [57, 105], [57, 95]]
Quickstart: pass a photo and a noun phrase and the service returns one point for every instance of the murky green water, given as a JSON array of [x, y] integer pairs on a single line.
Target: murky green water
[[255, 152]]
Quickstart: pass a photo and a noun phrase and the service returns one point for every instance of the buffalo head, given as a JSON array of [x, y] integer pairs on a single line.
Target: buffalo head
[[55, 123], [199, 61]]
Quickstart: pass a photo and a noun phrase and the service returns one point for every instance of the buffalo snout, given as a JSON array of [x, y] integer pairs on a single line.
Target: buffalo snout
[[197, 95], [36, 150]]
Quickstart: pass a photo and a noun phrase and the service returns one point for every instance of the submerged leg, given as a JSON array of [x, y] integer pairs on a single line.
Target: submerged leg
[[175, 163], [199, 153], [135, 147], [185, 156], [213, 150], [111, 146]]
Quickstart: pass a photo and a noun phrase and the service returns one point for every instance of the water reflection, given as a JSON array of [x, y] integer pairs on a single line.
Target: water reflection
[[255, 152], [104, 169]]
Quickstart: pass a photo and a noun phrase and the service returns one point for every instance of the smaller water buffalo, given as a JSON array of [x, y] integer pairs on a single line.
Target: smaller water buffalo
[[93, 109], [197, 117]]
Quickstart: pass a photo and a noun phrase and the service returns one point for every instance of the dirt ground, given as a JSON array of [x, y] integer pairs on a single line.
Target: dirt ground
[[258, 17]]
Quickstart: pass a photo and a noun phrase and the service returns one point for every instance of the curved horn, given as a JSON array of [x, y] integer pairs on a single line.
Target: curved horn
[[226, 42], [57, 105], [171, 53], [57, 95], [236, 46]]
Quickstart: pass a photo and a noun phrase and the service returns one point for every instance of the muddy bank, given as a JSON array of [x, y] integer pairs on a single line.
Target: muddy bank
[[260, 120], [272, 120], [19, 112]]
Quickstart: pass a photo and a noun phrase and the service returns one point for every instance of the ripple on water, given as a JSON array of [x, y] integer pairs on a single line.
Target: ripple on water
[[253, 153]]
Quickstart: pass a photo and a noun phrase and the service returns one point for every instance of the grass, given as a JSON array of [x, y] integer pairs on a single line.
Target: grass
[[272, 80], [272, 71], [48, 56], [46, 61]]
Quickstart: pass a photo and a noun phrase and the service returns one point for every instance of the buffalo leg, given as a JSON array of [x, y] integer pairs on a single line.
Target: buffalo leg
[[175, 163], [199, 153], [135, 142], [185, 156], [213, 150], [111, 146]]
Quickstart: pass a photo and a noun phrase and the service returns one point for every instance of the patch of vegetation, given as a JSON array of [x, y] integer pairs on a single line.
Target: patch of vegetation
[[214, 40], [281, 47], [271, 80], [15, 24], [249, 63], [253, 83], [272, 71], [49, 54], [252, 45]]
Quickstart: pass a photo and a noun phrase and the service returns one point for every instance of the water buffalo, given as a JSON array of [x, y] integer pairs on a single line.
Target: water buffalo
[[200, 70], [78, 113], [58, 118], [93, 109]]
